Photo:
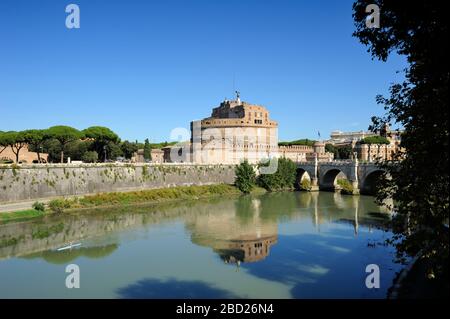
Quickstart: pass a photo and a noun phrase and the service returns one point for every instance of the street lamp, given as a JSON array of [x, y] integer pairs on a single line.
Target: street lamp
[[40, 152]]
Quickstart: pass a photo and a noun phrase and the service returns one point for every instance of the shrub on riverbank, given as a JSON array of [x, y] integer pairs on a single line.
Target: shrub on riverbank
[[59, 205], [182, 192], [245, 177], [346, 186], [150, 195], [305, 185], [40, 207], [282, 179], [128, 198]]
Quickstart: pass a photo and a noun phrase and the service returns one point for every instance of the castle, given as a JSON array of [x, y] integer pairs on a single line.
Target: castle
[[237, 130]]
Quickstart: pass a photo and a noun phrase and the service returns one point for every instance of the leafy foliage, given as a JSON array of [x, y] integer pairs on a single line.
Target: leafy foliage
[[15, 140], [340, 152], [304, 141], [283, 178], [38, 206], [104, 139], [90, 157], [59, 205], [377, 139], [128, 149], [346, 186], [245, 177], [305, 184], [63, 134], [147, 150], [420, 179]]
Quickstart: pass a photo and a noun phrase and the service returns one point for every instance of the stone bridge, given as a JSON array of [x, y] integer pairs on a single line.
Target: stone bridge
[[324, 175]]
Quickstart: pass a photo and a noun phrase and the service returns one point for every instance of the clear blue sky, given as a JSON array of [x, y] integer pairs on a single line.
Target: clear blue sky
[[143, 68]]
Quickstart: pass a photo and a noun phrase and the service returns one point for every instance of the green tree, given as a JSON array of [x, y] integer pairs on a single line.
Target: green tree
[[52, 147], [374, 140], [128, 149], [90, 157], [102, 137], [64, 135], [114, 150], [330, 148], [3, 142], [420, 178], [147, 150], [303, 141], [283, 178], [340, 152], [35, 140], [76, 149], [344, 151], [245, 177], [15, 140]]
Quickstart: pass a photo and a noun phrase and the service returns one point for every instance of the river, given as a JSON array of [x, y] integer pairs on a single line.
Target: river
[[275, 245]]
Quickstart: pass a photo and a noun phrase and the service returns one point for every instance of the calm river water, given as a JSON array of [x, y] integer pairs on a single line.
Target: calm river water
[[281, 245]]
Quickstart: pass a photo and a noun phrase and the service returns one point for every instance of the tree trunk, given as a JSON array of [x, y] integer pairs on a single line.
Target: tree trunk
[[16, 150], [62, 157]]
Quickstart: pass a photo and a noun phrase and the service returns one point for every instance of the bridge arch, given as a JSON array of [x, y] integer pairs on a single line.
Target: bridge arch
[[369, 183], [329, 179], [302, 174]]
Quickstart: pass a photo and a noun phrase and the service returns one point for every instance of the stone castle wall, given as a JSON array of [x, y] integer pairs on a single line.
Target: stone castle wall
[[28, 182]]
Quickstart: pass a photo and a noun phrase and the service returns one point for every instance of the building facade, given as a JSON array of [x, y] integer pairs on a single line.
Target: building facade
[[370, 152], [156, 154], [342, 138], [236, 130]]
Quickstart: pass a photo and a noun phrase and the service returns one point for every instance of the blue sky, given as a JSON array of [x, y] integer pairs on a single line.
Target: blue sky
[[143, 68]]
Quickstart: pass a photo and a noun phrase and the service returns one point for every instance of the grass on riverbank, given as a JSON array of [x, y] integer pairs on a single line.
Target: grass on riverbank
[[20, 215], [127, 198]]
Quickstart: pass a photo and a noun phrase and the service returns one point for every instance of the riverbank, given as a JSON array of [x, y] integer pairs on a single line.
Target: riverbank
[[38, 182], [118, 199]]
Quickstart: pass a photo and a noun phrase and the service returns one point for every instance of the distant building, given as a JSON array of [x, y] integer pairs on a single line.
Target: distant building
[[369, 152], [25, 156], [320, 153], [296, 153], [156, 154], [372, 152], [339, 137]]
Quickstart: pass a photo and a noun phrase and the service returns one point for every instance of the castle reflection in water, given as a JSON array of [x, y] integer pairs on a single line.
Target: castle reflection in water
[[239, 230]]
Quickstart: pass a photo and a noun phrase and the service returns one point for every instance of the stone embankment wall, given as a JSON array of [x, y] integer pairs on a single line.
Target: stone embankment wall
[[28, 182]]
